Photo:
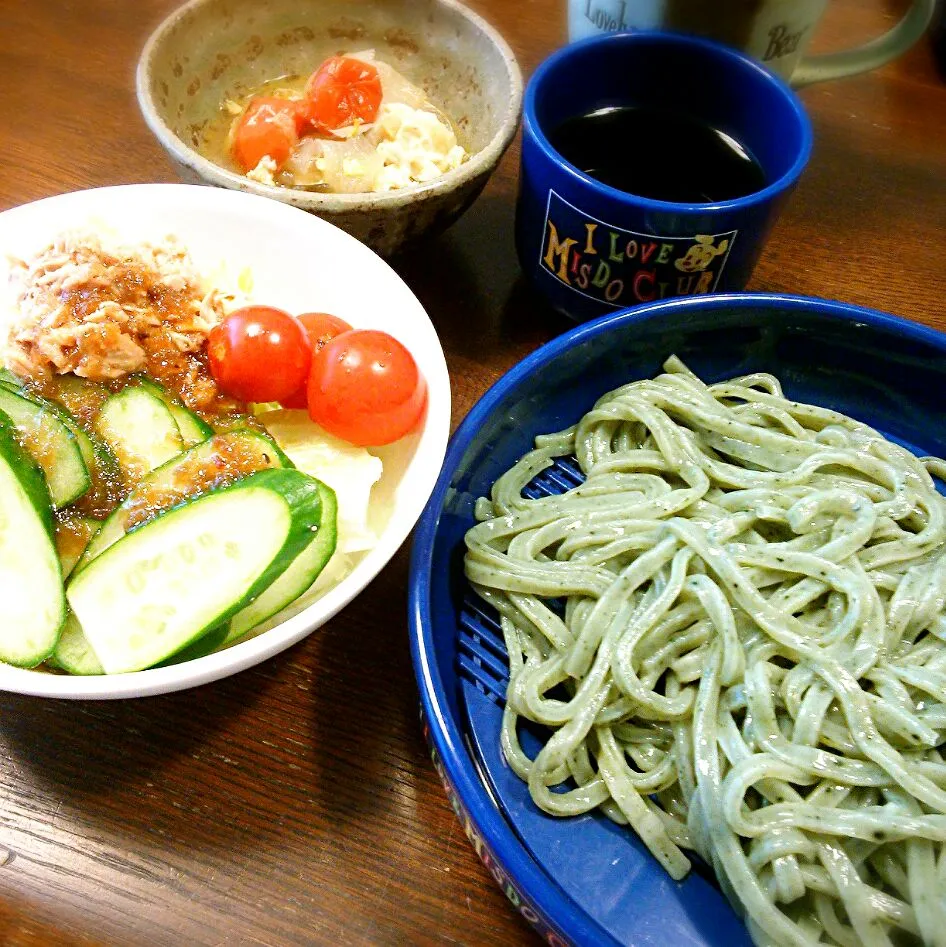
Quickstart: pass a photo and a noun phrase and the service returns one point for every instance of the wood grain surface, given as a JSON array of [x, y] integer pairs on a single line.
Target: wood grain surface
[[296, 803]]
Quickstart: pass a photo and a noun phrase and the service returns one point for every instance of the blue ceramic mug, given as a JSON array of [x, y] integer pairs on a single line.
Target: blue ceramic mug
[[591, 248]]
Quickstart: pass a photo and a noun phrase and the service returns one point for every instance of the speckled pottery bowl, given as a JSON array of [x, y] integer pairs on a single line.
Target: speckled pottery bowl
[[211, 50]]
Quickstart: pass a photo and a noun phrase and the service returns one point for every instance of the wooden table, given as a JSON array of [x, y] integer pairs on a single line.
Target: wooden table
[[296, 803]]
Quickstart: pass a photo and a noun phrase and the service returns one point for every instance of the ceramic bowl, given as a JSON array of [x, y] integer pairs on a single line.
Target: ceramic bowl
[[211, 50], [280, 257]]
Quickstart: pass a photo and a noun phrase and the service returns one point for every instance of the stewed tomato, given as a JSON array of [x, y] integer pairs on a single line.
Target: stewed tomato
[[319, 328], [269, 127], [259, 353], [366, 388], [341, 91]]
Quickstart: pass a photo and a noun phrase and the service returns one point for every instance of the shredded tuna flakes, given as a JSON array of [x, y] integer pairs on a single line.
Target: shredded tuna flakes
[[103, 312]]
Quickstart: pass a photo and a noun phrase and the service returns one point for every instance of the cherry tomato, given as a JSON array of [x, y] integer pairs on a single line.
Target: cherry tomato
[[319, 327], [259, 354], [269, 126], [322, 326], [340, 91], [365, 387]]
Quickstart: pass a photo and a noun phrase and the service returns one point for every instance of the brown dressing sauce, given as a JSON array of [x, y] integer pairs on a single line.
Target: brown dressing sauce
[[187, 375], [231, 460], [157, 311], [72, 534], [107, 490], [160, 310]]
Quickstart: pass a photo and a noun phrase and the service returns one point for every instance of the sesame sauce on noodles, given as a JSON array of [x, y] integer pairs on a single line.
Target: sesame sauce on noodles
[[751, 661]]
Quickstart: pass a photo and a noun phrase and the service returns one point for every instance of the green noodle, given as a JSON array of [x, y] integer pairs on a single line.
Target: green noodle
[[752, 659]]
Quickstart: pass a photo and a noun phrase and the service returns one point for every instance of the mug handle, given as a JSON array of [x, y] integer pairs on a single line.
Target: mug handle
[[850, 62]]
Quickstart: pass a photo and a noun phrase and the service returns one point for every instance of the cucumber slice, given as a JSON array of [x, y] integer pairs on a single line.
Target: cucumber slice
[[72, 538], [82, 398], [350, 471], [139, 429], [85, 443], [193, 429], [295, 581], [86, 446], [97, 457], [101, 465], [73, 653], [51, 443], [264, 435], [204, 645], [10, 379], [298, 578], [31, 595], [183, 477], [166, 584]]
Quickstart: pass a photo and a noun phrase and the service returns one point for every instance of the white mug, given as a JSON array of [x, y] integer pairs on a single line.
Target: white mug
[[777, 32]]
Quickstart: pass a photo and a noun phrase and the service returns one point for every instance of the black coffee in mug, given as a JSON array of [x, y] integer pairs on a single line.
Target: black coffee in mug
[[659, 153], [719, 138]]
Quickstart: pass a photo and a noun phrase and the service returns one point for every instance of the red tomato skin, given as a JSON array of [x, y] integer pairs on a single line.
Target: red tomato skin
[[366, 388], [341, 91], [322, 326], [259, 354], [319, 328], [270, 126], [299, 401]]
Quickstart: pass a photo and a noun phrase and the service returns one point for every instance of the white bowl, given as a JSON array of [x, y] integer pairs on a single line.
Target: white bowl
[[297, 262]]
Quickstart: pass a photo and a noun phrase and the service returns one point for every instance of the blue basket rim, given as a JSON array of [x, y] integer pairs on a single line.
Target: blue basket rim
[[525, 873]]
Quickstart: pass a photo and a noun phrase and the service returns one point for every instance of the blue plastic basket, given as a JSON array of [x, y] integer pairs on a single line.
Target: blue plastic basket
[[585, 880]]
